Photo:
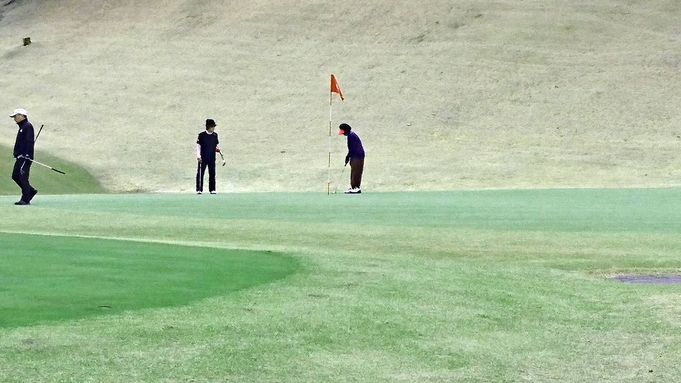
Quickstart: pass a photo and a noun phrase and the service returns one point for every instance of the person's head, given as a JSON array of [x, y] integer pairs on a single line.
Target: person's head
[[210, 125], [19, 115], [344, 129]]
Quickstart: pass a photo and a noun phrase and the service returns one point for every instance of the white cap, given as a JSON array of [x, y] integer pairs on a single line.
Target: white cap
[[19, 111]]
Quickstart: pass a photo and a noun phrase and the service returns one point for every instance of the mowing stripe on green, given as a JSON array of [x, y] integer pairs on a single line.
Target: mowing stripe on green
[[49, 278], [573, 210]]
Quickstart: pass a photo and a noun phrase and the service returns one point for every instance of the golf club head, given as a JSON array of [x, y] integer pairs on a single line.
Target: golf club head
[[224, 162]]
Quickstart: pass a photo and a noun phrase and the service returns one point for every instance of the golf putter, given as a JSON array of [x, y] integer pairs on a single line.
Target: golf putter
[[335, 190]]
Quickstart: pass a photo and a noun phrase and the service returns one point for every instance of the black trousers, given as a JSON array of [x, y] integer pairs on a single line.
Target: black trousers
[[211, 175], [20, 174]]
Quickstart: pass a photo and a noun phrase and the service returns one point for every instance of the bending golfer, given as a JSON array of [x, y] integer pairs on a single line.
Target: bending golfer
[[23, 152], [206, 147], [355, 157]]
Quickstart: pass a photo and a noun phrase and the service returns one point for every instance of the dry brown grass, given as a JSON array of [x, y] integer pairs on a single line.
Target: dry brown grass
[[475, 94]]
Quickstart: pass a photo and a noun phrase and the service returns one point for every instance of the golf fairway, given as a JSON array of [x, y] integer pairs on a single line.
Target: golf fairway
[[463, 286]]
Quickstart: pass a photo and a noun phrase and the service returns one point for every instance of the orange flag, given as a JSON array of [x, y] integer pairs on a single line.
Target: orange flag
[[335, 88]]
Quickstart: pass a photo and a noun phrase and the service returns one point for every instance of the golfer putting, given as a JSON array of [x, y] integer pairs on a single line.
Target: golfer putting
[[355, 157], [207, 144]]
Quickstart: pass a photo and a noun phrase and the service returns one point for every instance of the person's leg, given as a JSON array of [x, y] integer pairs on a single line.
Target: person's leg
[[27, 191], [200, 171], [353, 170], [34, 191], [211, 176], [20, 175], [357, 168], [16, 176]]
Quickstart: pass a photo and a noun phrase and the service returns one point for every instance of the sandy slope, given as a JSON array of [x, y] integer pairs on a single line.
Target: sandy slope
[[445, 95]]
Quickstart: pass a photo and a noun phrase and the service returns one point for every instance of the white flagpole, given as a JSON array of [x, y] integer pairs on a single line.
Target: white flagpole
[[328, 182]]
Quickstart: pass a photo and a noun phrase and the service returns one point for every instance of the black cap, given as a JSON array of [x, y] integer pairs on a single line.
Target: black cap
[[210, 123], [344, 127]]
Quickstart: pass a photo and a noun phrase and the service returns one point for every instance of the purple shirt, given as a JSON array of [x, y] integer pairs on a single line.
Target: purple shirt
[[355, 148]]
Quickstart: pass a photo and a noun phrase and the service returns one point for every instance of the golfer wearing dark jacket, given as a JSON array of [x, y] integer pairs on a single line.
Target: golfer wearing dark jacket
[[23, 152], [206, 146], [355, 157]]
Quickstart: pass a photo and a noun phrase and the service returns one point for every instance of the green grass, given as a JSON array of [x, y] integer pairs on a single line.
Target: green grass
[[76, 180], [48, 278], [487, 286]]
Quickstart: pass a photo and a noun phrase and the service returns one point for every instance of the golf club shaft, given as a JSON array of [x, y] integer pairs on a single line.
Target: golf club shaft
[[47, 166], [38, 135], [339, 178]]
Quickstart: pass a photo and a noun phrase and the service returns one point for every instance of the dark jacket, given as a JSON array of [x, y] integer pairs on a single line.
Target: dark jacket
[[208, 144], [24, 145], [355, 148]]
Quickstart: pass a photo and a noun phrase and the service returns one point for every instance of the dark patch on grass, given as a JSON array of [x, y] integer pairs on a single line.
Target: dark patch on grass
[[29, 342], [649, 279]]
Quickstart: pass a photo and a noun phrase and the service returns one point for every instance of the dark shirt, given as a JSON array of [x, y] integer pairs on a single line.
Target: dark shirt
[[208, 144], [24, 145], [355, 148]]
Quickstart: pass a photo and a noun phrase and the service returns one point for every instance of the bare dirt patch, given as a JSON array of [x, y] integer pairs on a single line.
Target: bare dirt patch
[[674, 279]]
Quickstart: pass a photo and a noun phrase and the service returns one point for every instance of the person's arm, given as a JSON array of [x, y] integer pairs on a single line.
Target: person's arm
[[198, 148], [16, 153], [30, 142], [352, 147]]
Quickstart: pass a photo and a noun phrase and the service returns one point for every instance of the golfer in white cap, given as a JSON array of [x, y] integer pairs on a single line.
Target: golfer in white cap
[[23, 152]]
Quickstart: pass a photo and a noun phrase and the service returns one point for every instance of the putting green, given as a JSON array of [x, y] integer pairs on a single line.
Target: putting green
[[50, 278]]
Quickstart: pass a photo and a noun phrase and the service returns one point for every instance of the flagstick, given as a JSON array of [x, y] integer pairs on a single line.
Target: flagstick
[[334, 89], [328, 182]]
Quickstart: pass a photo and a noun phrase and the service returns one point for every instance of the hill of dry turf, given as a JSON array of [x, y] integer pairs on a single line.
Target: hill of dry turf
[[445, 95]]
